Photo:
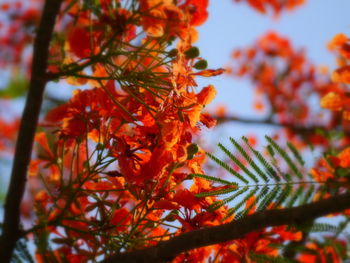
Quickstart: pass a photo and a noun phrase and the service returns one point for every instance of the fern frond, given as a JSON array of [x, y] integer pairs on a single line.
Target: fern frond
[[246, 157], [273, 186], [227, 168], [216, 192], [238, 163], [270, 171], [324, 227], [282, 197], [214, 179], [285, 156], [308, 195], [269, 198], [21, 253], [296, 154], [245, 199], [220, 203], [294, 197]]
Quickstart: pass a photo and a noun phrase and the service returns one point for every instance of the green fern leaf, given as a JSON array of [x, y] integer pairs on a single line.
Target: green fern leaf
[[307, 196], [220, 203], [283, 196], [269, 198], [270, 171], [247, 157], [245, 199], [285, 156], [216, 192], [228, 168], [294, 197], [324, 227], [238, 163], [214, 179], [296, 153], [22, 253]]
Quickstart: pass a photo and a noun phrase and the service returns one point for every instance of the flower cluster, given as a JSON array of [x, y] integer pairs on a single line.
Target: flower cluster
[[338, 100], [114, 170]]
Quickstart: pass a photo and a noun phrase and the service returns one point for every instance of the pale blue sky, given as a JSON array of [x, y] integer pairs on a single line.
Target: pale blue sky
[[231, 25]]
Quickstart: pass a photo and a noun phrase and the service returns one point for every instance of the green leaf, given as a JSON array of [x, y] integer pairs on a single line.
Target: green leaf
[[214, 179], [246, 156], [294, 197], [283, 195], [228, 168], [16, 88], [270, 171], [93, 5], [342, 172], [296, 154], [217, 192], [220, 203], [324, 227], [245, 199], [269, 198], [285, 156], [307, 196], [238, 163]]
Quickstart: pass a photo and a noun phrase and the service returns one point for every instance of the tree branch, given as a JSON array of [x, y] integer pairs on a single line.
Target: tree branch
[[167, 250], [11, 225]]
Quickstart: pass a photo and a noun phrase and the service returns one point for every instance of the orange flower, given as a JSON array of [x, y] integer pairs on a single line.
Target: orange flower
[[322, 253], [332, 101], [197, 10], [337, 41], [194, 114], [206, 95], [340, 43], [171, 132], [344, 157], [342, 75]]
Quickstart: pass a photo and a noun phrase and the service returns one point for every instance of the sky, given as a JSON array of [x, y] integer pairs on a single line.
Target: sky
[[233, 25]]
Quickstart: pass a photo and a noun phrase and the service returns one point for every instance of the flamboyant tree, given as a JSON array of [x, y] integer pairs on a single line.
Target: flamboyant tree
[[116, 173]]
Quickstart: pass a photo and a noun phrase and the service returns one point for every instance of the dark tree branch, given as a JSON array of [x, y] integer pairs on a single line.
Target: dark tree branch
[[11, 225], [167, 250]]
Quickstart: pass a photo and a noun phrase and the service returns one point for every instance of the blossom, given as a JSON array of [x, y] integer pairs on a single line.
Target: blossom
[[332, 101]]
